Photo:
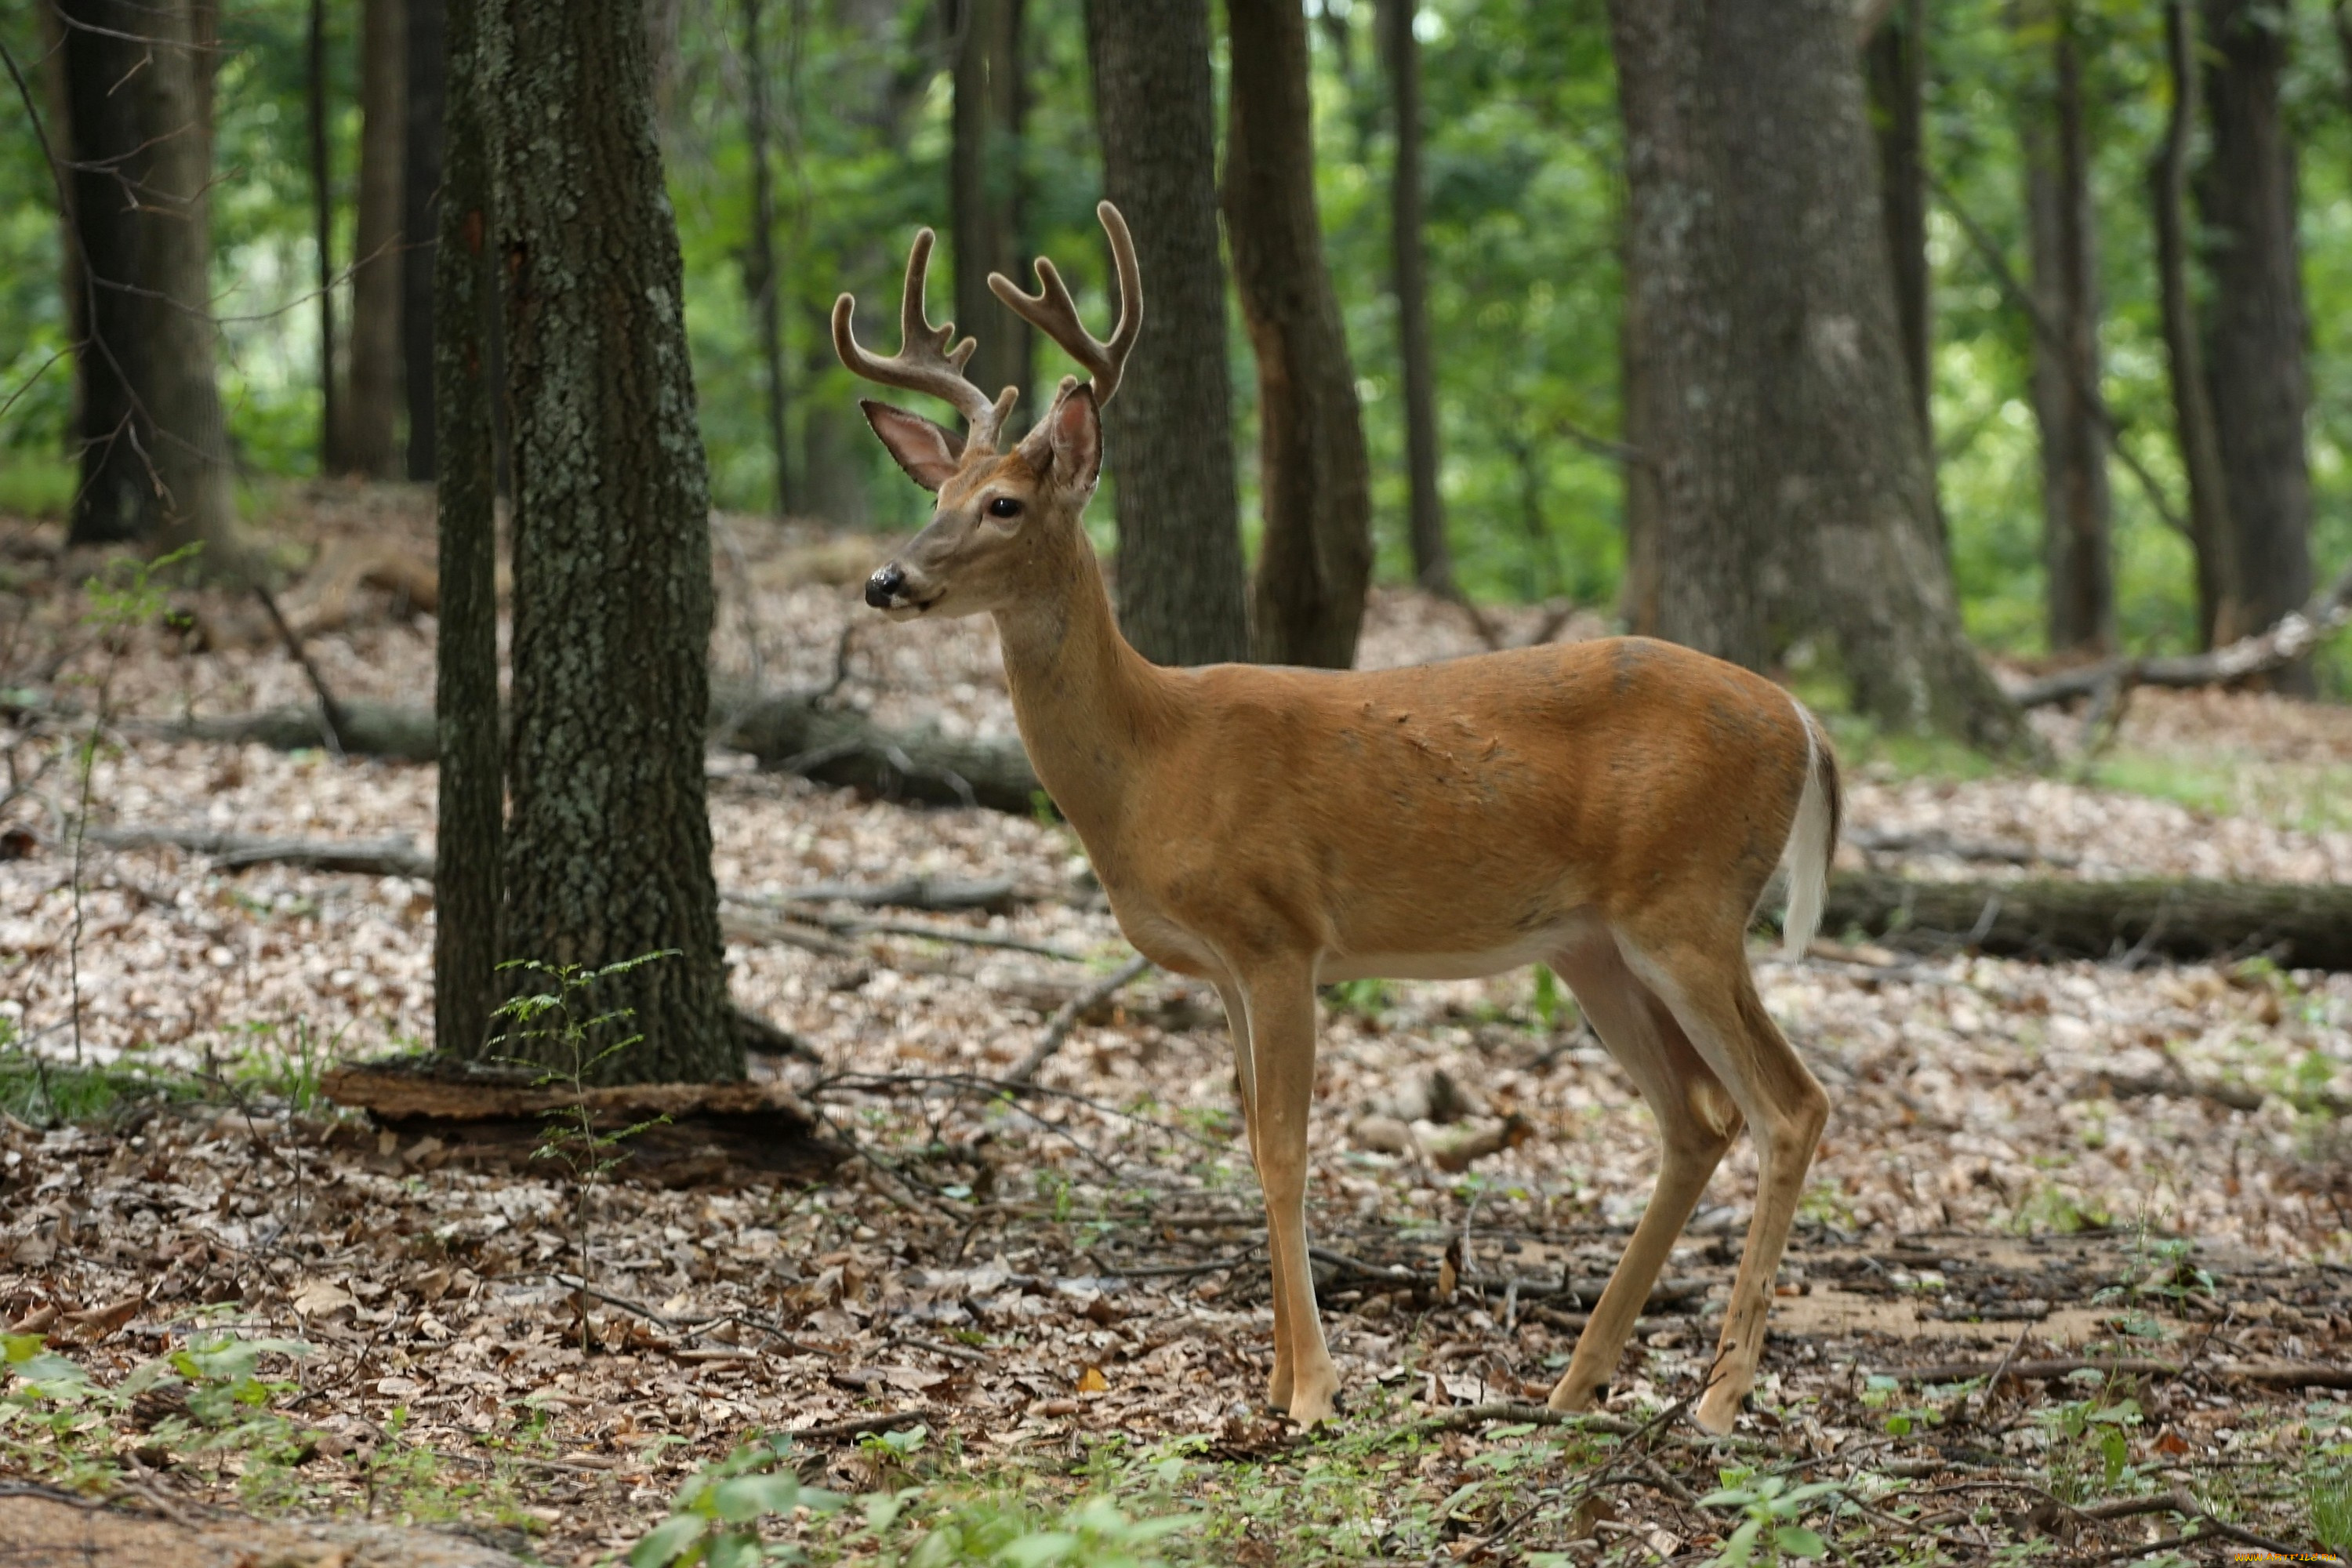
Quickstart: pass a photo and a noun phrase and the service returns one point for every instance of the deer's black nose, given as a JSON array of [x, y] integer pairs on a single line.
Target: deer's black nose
[[882, 589]]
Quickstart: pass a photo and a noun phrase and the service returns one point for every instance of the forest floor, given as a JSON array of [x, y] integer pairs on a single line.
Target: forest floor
[[2073, 1279]]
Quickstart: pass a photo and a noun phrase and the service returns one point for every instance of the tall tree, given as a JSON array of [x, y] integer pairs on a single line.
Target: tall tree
[[2192, 412], [1895, 62], [2256, 330], [154, 450], [2061, 227], [467, 884], [322, 236], [1182, 594], [985, 186], [759, 254], [1793, 486], [420, 186], [372, 412], [1433, 559], [1315, 556], [607, 854]]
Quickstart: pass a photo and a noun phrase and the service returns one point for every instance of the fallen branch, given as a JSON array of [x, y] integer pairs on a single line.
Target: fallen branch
[[2303, 926], [857, 1427], [2268, 1374], [1935, 841], [1058, 1027], [1664, 1294], [396, 857], [2295, 635]]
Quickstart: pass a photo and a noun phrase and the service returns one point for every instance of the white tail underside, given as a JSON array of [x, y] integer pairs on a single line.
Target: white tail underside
[[1807, 854]]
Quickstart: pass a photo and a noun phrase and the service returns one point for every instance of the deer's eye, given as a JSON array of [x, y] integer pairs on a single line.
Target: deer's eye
[[1004, 506]]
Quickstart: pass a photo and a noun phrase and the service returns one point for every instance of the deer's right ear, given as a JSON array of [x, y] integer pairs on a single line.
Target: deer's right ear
[[929, 452]]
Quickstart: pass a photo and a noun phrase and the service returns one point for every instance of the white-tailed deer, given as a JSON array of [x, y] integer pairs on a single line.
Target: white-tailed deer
[[1611, 808]]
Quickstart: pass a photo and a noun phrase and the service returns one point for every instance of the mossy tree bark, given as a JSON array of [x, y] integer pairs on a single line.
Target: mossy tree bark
[[1183, 582], [371, 411], [607, 853], [1794, 493]]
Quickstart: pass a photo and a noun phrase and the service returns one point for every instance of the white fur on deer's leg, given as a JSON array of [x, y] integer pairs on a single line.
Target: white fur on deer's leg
[[1281, 1003]]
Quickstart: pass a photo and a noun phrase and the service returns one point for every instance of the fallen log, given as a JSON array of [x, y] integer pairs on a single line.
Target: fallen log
[[2301, 926], [792, 733], [495, 1111], [2271, 1374], [2293, 636], [394, 857]]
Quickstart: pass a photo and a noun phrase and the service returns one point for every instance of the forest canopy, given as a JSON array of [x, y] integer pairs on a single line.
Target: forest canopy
[[1524, 224]]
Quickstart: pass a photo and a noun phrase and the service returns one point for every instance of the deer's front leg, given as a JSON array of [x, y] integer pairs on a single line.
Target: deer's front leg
[[1278, 1382], [1280, 1003]]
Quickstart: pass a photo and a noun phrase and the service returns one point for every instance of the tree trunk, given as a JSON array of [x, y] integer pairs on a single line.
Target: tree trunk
[[1794, 492], [372, 412], [1638, 594], [1314, 559], [1896, 63], [2256, 330], [984, 191], [469, 739], [2192, 412], [420, 190], [2081, 599], [322, 232], [1183, 582], [759, 256], [155, 465], [608, 849], [73, 288], [1433, 559]]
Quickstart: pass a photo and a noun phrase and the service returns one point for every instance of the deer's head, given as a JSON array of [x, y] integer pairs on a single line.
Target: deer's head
[[1003, 519]]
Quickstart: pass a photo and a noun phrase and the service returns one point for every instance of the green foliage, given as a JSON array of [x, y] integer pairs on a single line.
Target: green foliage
[[1769, 1510], [723, 1518], [2090, 1442]]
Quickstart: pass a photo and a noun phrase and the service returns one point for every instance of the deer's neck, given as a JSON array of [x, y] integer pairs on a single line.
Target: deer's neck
[[1089, 706]]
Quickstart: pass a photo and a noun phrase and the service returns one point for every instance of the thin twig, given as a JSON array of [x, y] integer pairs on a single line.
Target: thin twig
[[1058, 1027]]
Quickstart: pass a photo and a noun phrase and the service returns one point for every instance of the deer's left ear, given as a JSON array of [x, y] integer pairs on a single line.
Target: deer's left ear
[[1067, 443]]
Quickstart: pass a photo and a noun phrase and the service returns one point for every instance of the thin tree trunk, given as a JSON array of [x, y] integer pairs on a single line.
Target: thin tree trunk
[[154, 449], [2192, 411], [607, 856], [1638, 594], [372, 412], [472, 774], [1794, 491], [1896, 63], [420, 188], [73, 289], [1315, 560], [985, 195], [322, 231], [1433, 559], [1183, 582], [2256, 332], [2075, 501], [759, 256]]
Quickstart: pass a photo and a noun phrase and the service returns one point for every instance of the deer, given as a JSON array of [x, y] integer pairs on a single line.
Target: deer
[[1613, 808]]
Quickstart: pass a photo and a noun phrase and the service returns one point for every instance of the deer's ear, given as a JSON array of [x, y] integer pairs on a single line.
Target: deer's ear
[[928, 452], [1067, 443]]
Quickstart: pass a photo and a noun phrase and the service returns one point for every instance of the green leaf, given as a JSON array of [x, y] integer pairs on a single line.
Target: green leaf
[[736, 1549], [1796, 1541], [667, 1543], [750, 1497], [1032, 1551]]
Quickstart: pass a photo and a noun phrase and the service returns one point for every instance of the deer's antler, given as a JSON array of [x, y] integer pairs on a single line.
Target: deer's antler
[[925, 361], [1053, 312]]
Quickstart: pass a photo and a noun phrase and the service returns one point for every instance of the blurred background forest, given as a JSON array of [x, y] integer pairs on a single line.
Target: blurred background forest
[[850, 107]]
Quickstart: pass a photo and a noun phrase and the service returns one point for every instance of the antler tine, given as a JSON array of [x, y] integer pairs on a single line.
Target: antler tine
[[928, 359], [1053, 312]]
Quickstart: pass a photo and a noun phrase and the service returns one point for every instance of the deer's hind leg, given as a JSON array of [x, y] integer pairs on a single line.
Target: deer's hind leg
[[1704, 980], [1696, 1123]]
